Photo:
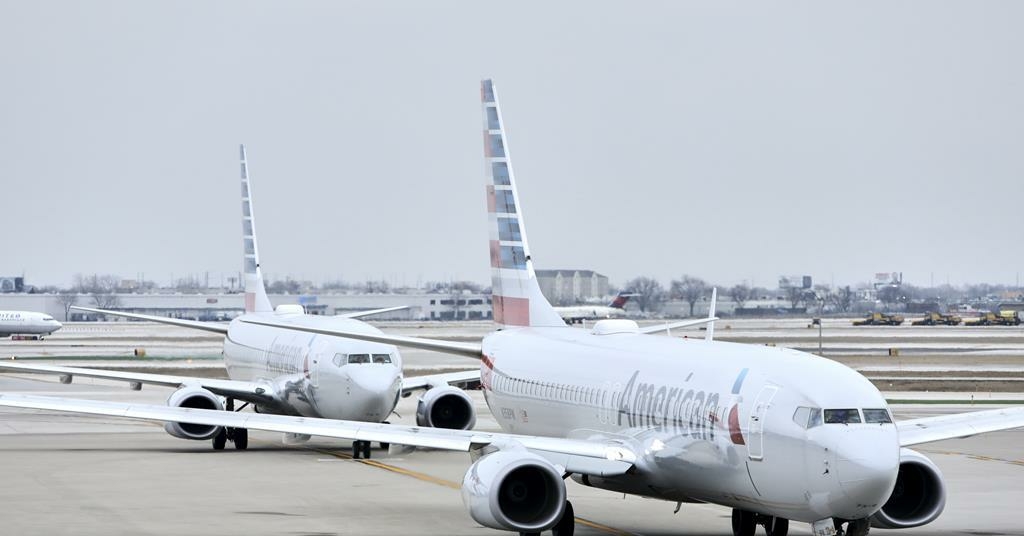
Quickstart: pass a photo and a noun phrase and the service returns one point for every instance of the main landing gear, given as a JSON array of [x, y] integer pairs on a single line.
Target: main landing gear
[[238, 436], [745, 523], [361, 449], [565, 526]]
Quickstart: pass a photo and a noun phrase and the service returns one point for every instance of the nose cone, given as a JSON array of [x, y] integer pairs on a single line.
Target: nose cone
[[373, 391], [868, 460]]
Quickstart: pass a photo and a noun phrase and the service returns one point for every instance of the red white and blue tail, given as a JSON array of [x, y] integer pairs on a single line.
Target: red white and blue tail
[[256, 300], [516, 296]]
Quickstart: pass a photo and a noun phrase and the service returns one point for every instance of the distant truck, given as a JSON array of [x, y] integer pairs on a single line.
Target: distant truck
[[937, 319], [879, 319], [1002, 318]]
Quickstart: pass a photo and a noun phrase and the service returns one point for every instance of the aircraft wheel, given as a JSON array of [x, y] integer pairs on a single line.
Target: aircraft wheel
[[220, 439], [241, 438], [366, 449], [776, 526], [567, 524], [744, 523], [858, 527]]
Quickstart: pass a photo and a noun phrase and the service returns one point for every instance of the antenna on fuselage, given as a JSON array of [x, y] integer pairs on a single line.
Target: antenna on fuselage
[[711, 316]]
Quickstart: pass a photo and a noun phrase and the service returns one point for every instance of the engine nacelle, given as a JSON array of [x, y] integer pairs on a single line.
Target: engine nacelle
[[514, 490], [198, 398], [919, 496], [446, 407]]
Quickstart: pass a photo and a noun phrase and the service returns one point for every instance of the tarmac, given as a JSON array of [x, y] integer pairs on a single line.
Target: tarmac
[[71, 474]]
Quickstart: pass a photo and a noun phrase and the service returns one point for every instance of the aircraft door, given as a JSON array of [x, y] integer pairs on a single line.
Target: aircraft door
[[757, 417]]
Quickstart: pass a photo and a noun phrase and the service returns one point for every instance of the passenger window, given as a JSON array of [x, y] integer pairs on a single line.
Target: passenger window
[[842, 416], [381, 358], [877, 416], [358, 359], [339, 360]]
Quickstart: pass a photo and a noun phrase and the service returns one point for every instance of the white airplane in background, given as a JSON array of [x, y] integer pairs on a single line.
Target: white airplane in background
[[288, 372], [574, 314], [773, 433], [27, 323]]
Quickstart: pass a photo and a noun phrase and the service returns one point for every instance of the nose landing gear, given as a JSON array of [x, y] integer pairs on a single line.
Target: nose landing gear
[[857, 527], [744, 523]]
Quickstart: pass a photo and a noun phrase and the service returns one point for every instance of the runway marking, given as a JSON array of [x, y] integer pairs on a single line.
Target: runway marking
[[454, 485], [978, 457]]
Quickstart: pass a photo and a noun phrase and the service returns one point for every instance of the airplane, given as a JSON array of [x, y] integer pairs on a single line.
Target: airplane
[[27, 323], [576, 314], [287, 372], [775, 434]]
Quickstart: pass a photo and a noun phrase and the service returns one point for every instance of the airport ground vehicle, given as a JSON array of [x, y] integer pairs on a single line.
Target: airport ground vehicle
[[879, 319], [938, 319], [1002, 318]]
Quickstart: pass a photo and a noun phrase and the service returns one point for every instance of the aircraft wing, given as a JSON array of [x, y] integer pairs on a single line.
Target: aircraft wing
[[205, 326], [675, 325], [247, 391], [371, 312], [474, 350], [459, 379], [601, 457], [929, 429]]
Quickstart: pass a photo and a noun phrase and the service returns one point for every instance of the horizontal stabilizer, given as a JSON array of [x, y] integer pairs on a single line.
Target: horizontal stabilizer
[[676, 325], [371, 312]]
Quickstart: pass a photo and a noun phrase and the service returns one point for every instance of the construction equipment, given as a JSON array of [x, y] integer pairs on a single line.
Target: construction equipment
[[1002, 318], [879, 319], [937, 319]]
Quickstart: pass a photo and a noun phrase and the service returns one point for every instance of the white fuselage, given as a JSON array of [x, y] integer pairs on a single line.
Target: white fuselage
[[27, 323], [311, 375], [714, 421]]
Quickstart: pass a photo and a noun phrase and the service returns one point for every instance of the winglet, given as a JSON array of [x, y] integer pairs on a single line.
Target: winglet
[[256, 300], [516, 297], [711, 315]]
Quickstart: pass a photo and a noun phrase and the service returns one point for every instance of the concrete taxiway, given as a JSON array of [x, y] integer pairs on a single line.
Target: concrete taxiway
[[69, 474]]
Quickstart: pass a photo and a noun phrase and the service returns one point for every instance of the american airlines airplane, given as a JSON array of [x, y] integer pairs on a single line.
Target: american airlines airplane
[[776, 435], [27, 323], [287, 372], [575, 314]]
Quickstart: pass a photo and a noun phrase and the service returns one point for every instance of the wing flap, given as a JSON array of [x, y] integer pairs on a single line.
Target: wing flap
[[930, 429], [570, 452]]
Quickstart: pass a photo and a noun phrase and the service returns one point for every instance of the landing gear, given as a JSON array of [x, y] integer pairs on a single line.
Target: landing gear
[[567, 524], [361, 449], [857, 527], [241, 438], [220, 440], [745, 523]]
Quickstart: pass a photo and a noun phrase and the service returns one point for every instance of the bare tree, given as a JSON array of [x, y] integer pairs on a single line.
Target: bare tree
[[67, 298], [841, 299], [649, 293], [689, 289], [796, 296], [101, 288], [740, 294]]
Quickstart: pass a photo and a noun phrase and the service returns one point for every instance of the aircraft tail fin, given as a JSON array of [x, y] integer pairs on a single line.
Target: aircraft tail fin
[[620, 301], [256, 300], [516, 295]]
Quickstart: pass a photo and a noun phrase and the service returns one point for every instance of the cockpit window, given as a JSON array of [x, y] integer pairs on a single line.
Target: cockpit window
[[842, 416], [807, 417], [339, 360], [358, 358], [381, 358], [877, 416], [47, 319]]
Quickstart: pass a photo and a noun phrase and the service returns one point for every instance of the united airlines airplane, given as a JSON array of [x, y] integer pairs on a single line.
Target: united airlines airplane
[[27, 323], [288, 372], [776, 435]]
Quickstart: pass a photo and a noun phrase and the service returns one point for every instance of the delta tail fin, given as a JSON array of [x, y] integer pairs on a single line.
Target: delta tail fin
[[620, 301], [256, 300], [516, 296]]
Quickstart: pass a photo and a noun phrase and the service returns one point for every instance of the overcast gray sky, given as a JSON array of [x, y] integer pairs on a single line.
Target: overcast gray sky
[[730, 141]]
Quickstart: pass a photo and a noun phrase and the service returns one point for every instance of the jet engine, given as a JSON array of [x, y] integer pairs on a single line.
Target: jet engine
[[446, 407], [514, 490], [919, 496], [198, 398]]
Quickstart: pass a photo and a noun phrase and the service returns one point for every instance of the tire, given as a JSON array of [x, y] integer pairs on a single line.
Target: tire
[[858, 527], [241, 439], [743, 523], [777, 526], [220, 439], [567, 524], [366, 449]]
